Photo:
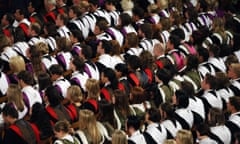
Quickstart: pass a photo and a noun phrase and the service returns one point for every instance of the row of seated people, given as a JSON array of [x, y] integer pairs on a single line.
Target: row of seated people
[[155, 125]]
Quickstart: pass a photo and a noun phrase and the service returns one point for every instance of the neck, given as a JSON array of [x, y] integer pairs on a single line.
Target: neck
[[202, 137], [13, 120]]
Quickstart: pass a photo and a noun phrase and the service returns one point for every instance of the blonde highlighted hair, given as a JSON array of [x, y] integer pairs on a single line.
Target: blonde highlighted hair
[[15, 96], [93, 88], [119, 137], [88, 124], [184, 137]]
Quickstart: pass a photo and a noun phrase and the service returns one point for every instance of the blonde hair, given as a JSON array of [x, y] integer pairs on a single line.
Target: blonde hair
[[17, 64], [162, 4], [84, 4], [153, 8], [75, 93], [14, 96], [88, 124], [127, 5], [93, 88], [184, 136], [119, 137], [169, 141], [42, 48]]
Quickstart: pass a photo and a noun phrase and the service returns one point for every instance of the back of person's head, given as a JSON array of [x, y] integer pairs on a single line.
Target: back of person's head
[[138, 11], [203, 129], [121, 101], [62, 126], [214, 49], [122, 68], [42, 48], [93, 2], [75, 93], [63, 17], [146, 60], [111, 75], [153, 8], [106, 107], [192, 62], [36, 27], [116, 48], [216, 117], [19, 35], [211, 80], [127, 5], [77, 34], [92, 88], [178, 32], [133, 61], [51, 29], [203, 52], [26, 77], [133, 122], [147, 29], [64, 44], [222, 80], [9, 18], [78, 62], [10, 111], [76, 10], [236, 69], [107, 46], [56, 69], [15, 96], [235, 102], [182, 99], [184, 137], [53, 2], [125, 19], [154, 115], [188, 88], [53, 96], [119, 137], [44, 80], [231, 59], [168, 109], [102, 23], [86, 119], [132, 40], [17, 64], [175, 40], [86, 51], [4, 42], [87, 122], [164, 75], [137, 95]]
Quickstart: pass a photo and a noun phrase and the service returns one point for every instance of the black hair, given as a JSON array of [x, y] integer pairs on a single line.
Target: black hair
[[53, 95], [10, 110], [133, 121], [182, 99], [154, 115], [111, 75]]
